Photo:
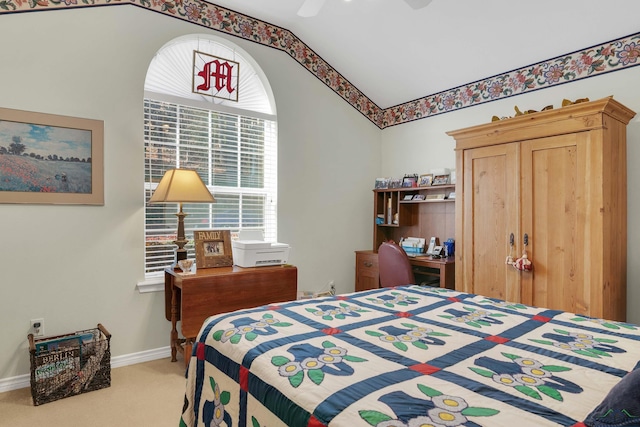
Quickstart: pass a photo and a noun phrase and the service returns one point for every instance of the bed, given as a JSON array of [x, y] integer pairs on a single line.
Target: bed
[[410, 356]]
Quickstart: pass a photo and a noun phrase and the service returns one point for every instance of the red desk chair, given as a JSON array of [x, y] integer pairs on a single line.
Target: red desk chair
[[394, 266]]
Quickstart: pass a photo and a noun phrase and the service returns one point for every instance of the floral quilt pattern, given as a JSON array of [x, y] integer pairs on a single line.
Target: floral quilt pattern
[[404, 357]]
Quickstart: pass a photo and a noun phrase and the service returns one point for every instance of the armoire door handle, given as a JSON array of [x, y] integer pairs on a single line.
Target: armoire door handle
[[524, 263], [509, 260]]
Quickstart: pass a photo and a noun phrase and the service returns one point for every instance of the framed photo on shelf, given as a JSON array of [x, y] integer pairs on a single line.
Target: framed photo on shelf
[[408, 197], [410, 181], [440, 180], [426, 180], [382, 183], [213, 248], [395, 183], [418, 197]]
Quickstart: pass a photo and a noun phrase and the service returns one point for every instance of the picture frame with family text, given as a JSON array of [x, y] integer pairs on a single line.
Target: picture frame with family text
[[213, 248]]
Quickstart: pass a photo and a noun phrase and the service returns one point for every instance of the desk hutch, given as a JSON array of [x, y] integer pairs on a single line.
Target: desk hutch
[[415, 218]]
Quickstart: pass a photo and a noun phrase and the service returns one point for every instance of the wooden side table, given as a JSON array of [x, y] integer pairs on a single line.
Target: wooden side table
[[193, 298]]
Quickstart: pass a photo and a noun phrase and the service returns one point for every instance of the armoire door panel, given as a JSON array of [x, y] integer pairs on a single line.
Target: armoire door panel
[[491, 173], [551, 198]]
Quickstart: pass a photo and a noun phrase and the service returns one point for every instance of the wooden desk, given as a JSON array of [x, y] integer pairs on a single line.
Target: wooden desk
[[367, 276], [193, 298], [446, 268]]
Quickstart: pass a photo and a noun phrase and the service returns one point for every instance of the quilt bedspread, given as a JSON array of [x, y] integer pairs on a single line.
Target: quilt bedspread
[[406, 356]]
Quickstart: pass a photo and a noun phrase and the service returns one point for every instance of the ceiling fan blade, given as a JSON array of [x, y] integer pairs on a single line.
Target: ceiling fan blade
[[418, 4], [310, 8]]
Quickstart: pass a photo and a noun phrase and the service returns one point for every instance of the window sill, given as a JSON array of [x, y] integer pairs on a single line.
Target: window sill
[[152, 284]]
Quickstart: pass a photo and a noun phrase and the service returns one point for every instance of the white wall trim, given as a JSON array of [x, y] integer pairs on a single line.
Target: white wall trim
[[154, 284], [140, 357], [23, 381], [14, 383]]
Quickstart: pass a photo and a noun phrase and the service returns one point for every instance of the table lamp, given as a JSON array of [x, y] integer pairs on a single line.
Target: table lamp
[[181, 186]]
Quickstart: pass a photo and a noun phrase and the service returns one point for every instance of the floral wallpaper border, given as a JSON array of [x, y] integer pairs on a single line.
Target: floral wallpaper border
[[607, 57]]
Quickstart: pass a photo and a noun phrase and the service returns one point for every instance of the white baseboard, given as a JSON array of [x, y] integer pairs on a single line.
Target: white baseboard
[[22, 381], [141, 357], [14, 383]]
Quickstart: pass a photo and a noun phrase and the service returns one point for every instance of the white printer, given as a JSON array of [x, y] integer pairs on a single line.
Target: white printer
[[250, 250]]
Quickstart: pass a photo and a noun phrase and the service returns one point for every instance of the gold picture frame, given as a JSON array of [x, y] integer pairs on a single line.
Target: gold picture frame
[[425, 180], [213, 248], [50, 159]]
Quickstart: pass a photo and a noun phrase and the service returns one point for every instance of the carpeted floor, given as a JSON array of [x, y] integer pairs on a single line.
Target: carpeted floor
[[146, 394]]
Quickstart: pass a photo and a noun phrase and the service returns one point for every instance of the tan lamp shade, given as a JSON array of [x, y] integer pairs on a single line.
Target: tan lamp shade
[[181, 186]]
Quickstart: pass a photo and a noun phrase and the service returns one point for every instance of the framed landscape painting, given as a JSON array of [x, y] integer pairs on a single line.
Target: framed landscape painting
[[50, 159]]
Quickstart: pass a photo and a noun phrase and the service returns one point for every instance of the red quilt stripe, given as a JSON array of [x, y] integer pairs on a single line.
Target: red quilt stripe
[[244, 378], [539, 318], [424, 368], [331, 331], [200, 351], [314, 422], [403, 314], [497, 339]]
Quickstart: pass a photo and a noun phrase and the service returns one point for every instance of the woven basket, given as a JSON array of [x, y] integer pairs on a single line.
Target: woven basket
[[69, 364]]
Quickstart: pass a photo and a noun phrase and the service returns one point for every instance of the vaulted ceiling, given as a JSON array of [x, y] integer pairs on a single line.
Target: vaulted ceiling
[[394, 53]]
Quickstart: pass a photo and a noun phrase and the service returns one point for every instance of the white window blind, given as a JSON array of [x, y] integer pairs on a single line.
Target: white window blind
[[236, 157]]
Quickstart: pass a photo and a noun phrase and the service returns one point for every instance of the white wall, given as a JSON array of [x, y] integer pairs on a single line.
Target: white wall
[[76, 266], [431, 148]]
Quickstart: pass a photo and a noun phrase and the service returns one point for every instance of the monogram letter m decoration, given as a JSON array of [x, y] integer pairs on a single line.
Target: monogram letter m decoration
[[214, 76]]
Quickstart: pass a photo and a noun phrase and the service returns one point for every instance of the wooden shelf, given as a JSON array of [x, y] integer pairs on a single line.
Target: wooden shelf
[[410, 202], [415, 218], [417, 189]]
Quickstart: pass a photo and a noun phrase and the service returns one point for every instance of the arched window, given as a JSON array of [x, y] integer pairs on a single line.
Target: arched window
[[229, 136]]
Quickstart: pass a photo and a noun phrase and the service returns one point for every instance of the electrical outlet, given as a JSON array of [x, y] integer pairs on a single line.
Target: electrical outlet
[[36, 327]]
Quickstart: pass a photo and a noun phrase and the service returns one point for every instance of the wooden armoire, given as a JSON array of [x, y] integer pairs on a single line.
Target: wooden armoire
[[560, 178]]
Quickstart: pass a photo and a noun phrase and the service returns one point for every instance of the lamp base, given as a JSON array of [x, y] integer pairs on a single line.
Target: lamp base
[[181, 254]]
